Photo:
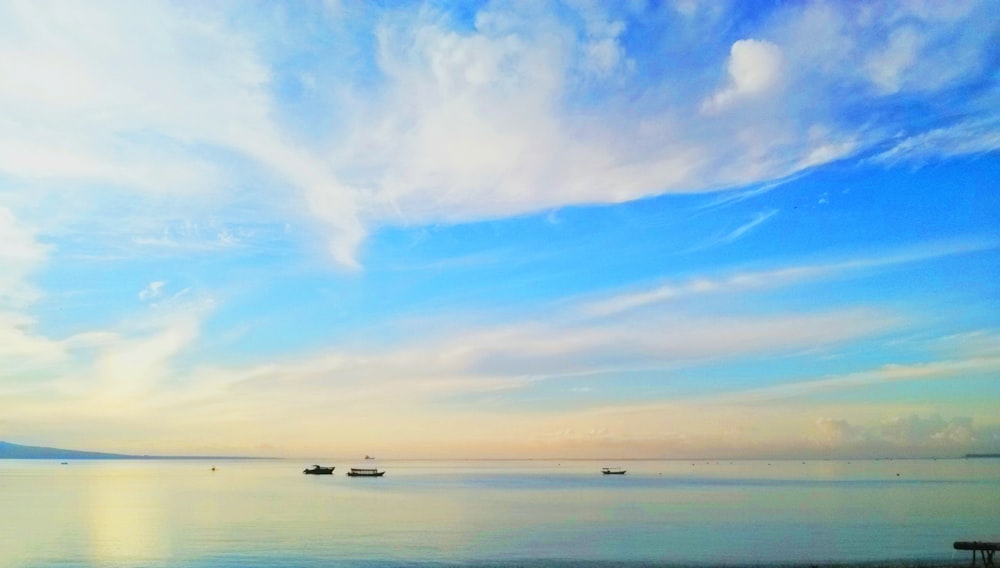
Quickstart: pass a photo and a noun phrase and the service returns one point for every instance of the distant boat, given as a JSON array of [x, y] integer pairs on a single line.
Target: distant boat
[[612, 471], [361, 472], [319, 470], [368, 457]]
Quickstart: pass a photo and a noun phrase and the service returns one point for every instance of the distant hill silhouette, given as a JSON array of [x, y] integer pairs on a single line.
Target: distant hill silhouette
[[17, 451]]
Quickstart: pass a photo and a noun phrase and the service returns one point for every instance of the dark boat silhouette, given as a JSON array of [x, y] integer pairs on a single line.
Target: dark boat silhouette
[[612, 471], [319, 470], [361, 472]]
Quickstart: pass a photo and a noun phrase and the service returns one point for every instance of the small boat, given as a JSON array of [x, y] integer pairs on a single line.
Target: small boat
[[361, 472], [612, 471], [319, 470], [368, 457]]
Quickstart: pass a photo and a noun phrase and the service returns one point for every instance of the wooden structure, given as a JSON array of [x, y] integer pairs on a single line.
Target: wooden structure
[[985, 549], [361, 472]]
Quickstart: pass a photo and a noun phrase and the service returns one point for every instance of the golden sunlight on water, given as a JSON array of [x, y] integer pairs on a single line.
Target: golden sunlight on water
[[128, 510]]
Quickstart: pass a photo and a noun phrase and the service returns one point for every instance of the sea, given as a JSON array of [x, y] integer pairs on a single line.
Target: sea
[[532, 513]]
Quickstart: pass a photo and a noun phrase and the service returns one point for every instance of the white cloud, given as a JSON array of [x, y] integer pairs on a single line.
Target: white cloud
[[755, 68], [135, 370], [602, 51], [887, 68], [191, 237], [765, 279], [22, 347], [98, 372], [407, 383], [524, 111], [20, 255], [472, 125], [736, 283], [977, 343], [87, 100], [136, 365], [152, 290], [742, 230], [139, 96], [916, 431], [911, 433], [117, 380], [977, 136], [824, 147], [936, 370], [833, 432], [657, 340]]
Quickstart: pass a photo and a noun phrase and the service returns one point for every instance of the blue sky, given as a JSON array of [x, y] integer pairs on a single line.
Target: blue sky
[[500, 229]]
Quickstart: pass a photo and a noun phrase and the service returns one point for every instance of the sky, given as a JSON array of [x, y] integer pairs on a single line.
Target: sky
[[501, 229]]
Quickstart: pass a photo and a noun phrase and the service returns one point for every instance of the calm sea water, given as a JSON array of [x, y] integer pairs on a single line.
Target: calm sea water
[[533, 513]]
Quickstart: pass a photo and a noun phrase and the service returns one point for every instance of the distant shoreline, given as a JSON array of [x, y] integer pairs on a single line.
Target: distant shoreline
[[19, 452], [125, 457]]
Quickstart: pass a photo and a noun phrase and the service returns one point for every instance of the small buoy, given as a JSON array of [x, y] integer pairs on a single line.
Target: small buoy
[[213, 468]]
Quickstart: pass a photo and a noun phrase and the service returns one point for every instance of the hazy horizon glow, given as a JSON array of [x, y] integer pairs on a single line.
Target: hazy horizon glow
[[500, 229]]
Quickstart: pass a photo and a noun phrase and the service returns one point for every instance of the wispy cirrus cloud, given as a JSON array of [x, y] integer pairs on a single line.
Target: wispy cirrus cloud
[[153, 290], [20, 254], [128, 374], [739, 232], [119, 365], [890, 373], [968, 137], [152, 119], [22, 347], [742, 230], [766, 279]]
